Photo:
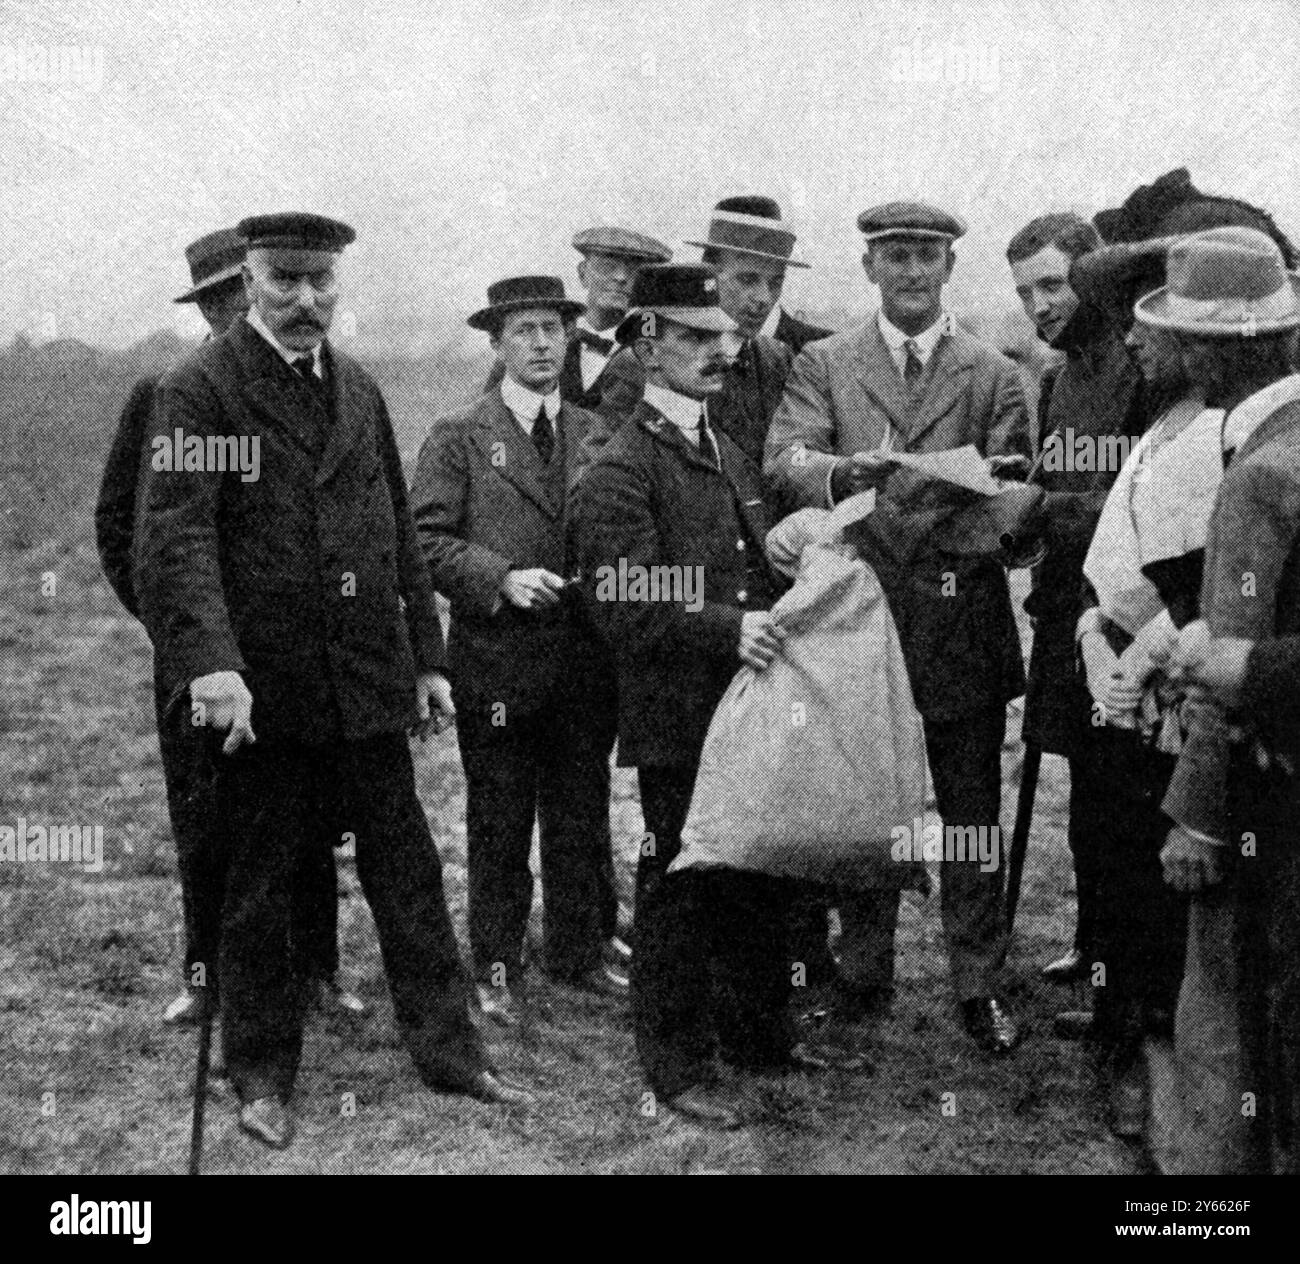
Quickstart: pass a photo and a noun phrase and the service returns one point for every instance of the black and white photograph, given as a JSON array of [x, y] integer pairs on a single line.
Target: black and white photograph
[[650, 590]]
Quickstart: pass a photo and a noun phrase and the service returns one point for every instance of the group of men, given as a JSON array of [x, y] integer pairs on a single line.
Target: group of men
[[667, 421]]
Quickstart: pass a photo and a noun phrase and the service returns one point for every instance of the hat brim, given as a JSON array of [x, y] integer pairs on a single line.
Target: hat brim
[[489, 318], [742, 250], [221, 278], [632, 256], [712, 320], [1104, 277], [929, 234], [1153, 310]]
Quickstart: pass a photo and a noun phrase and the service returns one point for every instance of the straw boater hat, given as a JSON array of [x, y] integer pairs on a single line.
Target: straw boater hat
[[686, 293], [1224, 283], [519, 293], [750, 226], [214, 260]]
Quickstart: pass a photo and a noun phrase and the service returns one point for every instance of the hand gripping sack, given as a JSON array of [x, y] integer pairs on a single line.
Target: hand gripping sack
[[811, 765]]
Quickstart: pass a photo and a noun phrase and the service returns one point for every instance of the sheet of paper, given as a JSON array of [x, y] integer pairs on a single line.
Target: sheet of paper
[[963, 467]]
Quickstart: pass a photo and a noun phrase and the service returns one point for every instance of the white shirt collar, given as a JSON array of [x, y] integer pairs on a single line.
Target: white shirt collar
[[925, 341], [681, 410], [525, 404], [584, 323], [1257, 408], [254, 318], [770, 324]]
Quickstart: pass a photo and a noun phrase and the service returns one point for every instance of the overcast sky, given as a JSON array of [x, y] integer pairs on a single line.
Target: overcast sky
[[469, 141]]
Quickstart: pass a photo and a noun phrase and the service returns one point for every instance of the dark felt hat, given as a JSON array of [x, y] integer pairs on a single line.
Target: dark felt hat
[[1113, 278], [214, 260], [296, 230], [518, 293]]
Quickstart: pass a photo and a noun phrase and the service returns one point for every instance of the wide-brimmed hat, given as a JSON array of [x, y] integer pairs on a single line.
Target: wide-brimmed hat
[[686, 293], [1224, 283], [622, 242], [1112, 278], [909, 219], [517, 293], [214, 260], [750, 226]]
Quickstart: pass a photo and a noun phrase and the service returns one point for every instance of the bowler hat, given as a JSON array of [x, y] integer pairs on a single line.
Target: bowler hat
[[296, 230], [686, 293], [214, 260], [750, 226], [1224, 283], [517, 293], [909, 219]]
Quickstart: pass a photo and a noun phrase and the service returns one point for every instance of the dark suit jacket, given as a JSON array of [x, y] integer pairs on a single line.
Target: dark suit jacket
[[754, 384], [484, 504], [307, 580], [953, 612], [119, 491], [1097, 393], [614, 393], [796, 333], [651, 499]]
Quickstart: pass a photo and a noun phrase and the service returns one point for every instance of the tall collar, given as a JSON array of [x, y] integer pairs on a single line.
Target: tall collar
[[925, 341], [772, 321], [254, 318], [525, 404], [1243, 420], [681, 410], [584, 324]]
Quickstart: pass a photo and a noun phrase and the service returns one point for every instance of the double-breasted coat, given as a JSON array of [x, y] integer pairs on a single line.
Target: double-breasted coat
[[845, 395], [308, 578]]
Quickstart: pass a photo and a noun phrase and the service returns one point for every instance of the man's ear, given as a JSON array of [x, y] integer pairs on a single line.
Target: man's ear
[[952, 259], [582, 272], [868, 267], [247, 274], [646, 352], [494, 341]]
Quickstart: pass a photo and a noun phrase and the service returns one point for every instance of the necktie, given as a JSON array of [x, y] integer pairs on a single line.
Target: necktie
[[596, 342], [912, 366], [544, 436], [708, 448]]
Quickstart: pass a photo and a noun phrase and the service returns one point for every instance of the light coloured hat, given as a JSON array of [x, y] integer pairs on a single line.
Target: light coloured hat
[[622, 242], [1224, 283], [751, 226]]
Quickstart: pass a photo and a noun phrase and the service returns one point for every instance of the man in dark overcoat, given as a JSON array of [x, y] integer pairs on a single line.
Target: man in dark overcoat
[[534, 686], [909, 379], [217, 290], [669, 491], [289, 606]]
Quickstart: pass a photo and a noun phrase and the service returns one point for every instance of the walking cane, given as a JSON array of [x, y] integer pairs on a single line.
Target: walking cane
[[1020, 831], [201, 1086]]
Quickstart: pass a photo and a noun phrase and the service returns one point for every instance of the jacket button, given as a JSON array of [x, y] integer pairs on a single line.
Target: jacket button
[[742, 595], [740, 546]]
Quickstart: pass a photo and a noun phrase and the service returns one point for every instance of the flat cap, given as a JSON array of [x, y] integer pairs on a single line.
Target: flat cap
[[909, 219], [296, 230], [624, 242]]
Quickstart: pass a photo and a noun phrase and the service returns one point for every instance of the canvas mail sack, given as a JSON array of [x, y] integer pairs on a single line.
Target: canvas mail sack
[[811, 766]]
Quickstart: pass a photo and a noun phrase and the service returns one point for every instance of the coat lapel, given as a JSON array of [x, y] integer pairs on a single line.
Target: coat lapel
[[351, 414], [883, 384], [276, 398], [949, 372], [664, 430], [510, 452]]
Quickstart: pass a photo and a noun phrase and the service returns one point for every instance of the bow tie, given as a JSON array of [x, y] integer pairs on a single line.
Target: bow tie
[[597, 342]]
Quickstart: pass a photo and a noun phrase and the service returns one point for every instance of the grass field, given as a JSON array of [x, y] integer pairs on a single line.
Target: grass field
[[91, 1082]]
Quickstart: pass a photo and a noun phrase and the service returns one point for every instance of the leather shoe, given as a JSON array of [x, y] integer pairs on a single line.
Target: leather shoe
[[268, 1119], [1126, 1101], [992, 1027], [495, 1088], [708, 1104], [602, 980], [186, 1009], [498, 1004], [333, 998], [1067, 969], [1073, 1024], [616, 953]]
